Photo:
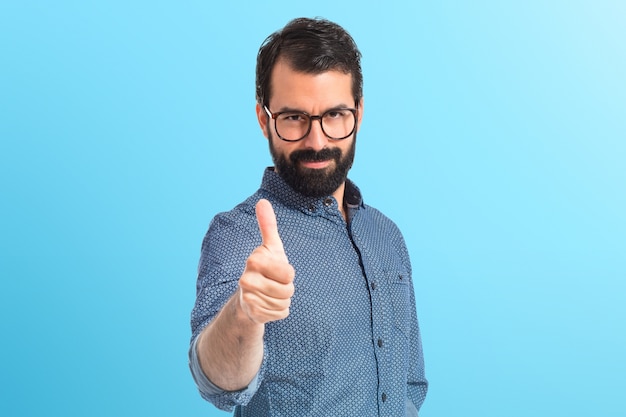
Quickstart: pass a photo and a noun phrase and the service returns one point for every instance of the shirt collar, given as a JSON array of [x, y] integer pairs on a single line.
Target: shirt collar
[[275, 185]]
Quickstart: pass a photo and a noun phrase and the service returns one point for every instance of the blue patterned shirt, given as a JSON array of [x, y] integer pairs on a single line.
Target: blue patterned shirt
[[351, 344]]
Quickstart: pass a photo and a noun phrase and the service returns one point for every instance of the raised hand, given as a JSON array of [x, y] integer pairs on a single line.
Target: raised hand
[[266, 286]]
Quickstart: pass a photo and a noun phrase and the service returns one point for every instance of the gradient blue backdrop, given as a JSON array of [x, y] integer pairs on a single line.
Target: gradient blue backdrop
[[494, 135]]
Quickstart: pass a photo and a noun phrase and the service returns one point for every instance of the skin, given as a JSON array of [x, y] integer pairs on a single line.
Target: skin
[[314, 94], [230, 348]]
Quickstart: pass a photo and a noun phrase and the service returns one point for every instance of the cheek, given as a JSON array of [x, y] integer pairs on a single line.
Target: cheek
[[267, 132], [346, 147], [277, 147], [282, 147]]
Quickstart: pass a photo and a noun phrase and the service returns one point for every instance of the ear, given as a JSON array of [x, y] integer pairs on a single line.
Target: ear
[[359, 116], [262, 118]]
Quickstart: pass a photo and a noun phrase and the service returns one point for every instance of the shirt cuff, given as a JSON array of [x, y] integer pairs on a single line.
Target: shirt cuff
[[209, 389]]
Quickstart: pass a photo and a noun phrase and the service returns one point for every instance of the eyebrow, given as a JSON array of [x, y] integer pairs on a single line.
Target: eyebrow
[[294, 109]]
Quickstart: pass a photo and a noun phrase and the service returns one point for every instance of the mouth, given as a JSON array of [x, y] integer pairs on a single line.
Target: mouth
[[316, 160], [316, 164]]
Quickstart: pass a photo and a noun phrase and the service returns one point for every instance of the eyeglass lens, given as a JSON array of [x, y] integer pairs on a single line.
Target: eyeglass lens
[[336, 124]]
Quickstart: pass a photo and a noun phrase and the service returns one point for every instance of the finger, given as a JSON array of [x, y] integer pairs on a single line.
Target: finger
[[267, 226], [270, 303], [278, 285], [276, 266]]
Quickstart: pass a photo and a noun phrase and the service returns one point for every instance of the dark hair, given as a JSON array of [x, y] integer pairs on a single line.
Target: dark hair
[[311, 46]]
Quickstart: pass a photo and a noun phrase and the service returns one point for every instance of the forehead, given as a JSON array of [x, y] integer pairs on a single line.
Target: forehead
[[296, 89]]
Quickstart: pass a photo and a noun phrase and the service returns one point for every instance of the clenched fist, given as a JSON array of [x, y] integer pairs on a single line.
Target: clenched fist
[[266, 286]]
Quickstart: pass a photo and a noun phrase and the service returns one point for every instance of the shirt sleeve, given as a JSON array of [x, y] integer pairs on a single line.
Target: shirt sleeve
[[417, 385], [224, 400], [225, 248], [411, 411]]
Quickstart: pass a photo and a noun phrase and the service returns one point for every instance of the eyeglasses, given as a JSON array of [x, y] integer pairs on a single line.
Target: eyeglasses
[[292, 126]]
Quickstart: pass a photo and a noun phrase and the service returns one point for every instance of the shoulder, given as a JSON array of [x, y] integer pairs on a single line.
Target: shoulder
[[383, 235], [238, 217], [369, 215], [234, 230], [380, 221]]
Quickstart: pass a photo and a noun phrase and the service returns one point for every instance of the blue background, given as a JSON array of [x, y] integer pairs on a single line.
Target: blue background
[[494, 135]]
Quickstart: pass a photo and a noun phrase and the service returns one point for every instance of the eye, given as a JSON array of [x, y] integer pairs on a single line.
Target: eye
[[336, 114], [292, 117]]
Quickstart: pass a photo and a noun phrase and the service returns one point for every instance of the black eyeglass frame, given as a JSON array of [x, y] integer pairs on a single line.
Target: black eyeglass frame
[[311, 117]]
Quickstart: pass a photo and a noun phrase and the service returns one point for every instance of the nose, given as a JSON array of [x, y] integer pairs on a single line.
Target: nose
[[316, 139]]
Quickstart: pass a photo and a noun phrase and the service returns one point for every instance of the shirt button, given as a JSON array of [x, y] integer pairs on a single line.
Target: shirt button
[[328, 202], [384, 397], [312, 208], [373, 285], [380, 343]]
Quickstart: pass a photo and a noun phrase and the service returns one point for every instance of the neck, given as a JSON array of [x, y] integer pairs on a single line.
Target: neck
[[338, 194]]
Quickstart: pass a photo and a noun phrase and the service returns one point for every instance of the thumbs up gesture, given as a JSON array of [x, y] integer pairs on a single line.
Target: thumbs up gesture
[[266, 286]]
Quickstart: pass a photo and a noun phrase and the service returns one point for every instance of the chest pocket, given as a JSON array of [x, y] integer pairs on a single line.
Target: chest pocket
[[398, 287]]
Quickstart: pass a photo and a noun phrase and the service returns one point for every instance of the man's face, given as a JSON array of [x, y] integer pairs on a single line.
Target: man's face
[[315, 166]]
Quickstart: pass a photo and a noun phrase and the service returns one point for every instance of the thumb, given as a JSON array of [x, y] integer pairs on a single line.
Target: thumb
[[267, 226]]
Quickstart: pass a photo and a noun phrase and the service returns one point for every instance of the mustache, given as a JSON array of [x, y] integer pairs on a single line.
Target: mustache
[[311, 155]]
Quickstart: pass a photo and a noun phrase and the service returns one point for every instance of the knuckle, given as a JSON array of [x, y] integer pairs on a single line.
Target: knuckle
[[248, 299], [291, 271], [291, 289], [246, 283], [253, 262]]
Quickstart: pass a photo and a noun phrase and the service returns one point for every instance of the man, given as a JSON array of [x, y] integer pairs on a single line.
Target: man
[[305, 303]]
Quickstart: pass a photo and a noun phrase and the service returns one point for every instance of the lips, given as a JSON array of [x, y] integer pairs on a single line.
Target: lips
[[316, 164]]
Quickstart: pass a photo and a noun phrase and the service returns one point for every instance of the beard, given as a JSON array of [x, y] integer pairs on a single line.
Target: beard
[[314, 182]]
